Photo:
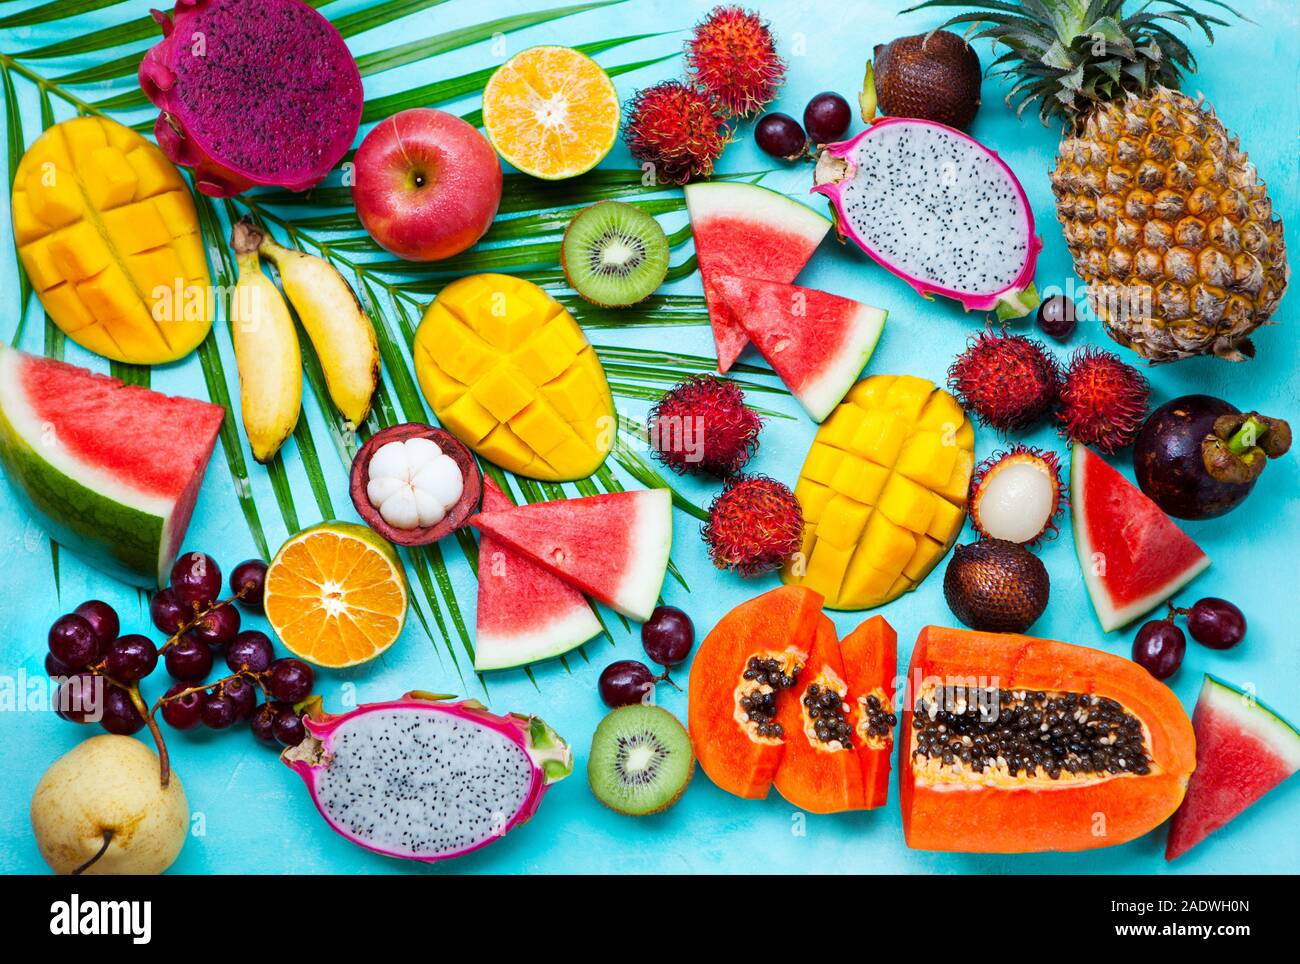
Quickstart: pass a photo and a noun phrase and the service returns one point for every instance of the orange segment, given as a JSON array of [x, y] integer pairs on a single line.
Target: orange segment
[[336, 595], [551, 112]]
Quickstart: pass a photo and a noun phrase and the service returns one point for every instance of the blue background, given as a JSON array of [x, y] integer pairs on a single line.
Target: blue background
[[256, 818]]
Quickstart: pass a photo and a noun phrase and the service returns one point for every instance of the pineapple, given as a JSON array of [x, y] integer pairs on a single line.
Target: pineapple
[[1166, 219]]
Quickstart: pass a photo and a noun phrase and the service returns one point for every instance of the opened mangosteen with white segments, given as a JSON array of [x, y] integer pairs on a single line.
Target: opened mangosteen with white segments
[[415, 484]]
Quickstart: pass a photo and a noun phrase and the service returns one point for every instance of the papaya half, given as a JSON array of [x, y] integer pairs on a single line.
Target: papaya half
[[870, 655], [1012, 744]]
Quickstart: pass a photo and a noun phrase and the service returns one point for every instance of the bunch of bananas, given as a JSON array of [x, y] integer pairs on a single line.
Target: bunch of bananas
[[266, 341]]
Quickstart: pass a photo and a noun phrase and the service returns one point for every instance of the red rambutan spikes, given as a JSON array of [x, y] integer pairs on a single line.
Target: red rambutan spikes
[[732, 55], [678, 129], [1008, 381], [704, 426], [755, 526], [1103, 400]]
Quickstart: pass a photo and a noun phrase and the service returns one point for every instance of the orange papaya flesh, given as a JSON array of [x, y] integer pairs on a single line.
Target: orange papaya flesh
[[819, 771], [870, 657], [1135, 746], [739, 747]]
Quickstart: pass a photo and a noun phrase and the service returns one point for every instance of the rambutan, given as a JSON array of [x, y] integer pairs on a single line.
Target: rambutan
[[679, 129], [755, 526], [732, 55], [1017, 495], [704, 426], [1009, 381], [1103, 400]]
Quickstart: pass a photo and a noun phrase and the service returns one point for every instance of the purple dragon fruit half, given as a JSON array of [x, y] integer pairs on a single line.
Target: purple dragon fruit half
[[938, 209], [424, 779], [252, 92]]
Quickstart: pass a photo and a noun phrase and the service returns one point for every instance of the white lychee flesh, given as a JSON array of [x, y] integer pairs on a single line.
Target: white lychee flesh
[[1016, 502]]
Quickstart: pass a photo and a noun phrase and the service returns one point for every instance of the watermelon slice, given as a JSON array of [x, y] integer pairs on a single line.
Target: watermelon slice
[[1133, 557], [745, 230], [817, 342], [1243, 750], [112, 471], [614, 547], [525, 614]]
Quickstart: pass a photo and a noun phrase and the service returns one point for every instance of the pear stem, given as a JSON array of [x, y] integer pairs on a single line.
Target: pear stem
[[103, 849]]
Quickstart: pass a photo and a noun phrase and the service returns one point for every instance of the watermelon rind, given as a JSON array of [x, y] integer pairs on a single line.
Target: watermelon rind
[[714, 198], [1110, 616], [1253, 716], [820, 397], [493, 651], [652, 537]]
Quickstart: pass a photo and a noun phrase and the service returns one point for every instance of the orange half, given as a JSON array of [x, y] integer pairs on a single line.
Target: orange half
[[551, 112], [336, 595]]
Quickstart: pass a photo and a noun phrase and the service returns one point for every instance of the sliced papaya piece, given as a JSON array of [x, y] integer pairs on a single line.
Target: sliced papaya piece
[[733, 702], [977, 774], [819, 770], [870, 657]]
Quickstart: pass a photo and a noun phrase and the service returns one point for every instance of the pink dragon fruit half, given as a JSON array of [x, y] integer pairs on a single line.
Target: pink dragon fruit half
[[938, 209], [425, 779], [252, 92]]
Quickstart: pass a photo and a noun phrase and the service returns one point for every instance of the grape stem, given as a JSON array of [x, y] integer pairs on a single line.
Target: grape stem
[[204, 687], [198, 618], [665, 678], [164, 761], [103, 849]]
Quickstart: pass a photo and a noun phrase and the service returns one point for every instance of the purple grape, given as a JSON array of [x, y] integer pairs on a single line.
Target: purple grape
[[168, 613], [219, 712], [668, 635], [80, 696], [250, 652], [131, 658], [73, 642], [290, 680], [188, 660], [248, 582], [182, 712], [1057, 317], [780, 136], [1216, 623], [55, 667], [102, 618], [1159, 648], [196, 579], [626, 682], [827, 117], [264, 723], [217, 626], [120, 715], [288, 727], [243, 694]]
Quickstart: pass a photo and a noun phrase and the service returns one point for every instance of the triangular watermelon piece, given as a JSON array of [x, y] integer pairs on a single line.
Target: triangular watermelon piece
[[112, 471], [614, 547], [818, 343], [525, 614], [1243, 750], [749, 231], [1133, 557]]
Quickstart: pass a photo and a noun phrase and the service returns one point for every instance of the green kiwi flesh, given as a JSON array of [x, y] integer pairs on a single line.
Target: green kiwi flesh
[[641, 760], [614, 254]]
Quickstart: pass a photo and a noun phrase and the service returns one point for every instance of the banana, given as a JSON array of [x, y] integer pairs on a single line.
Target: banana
[[266, 350], [339, 329]]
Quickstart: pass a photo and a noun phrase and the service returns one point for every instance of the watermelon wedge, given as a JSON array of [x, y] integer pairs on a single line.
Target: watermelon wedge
[[613, 547], [818, 343], [749, 231], [1133, 557], [1243, 750], [112, 471], [525, 614]]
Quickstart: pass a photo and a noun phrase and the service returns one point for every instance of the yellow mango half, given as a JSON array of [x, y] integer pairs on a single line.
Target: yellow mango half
[[107, 233], [883, 491], [509, 372]]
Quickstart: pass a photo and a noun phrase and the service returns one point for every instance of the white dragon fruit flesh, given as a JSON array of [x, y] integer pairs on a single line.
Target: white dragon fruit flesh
[[938, 209], [252, 92], [425, 779]]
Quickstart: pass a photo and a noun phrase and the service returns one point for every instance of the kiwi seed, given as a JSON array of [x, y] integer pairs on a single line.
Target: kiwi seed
[[614, 254], [640, 760]]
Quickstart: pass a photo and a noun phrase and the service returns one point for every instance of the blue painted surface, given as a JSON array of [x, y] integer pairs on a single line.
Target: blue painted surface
[[256, 817]]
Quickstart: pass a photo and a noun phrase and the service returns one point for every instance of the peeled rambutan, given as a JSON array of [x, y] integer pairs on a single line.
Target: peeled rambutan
[[1016, 495], [1009, 381], [755, 526], [704, 426], [1103, 400], [732, 55], [681, 130]]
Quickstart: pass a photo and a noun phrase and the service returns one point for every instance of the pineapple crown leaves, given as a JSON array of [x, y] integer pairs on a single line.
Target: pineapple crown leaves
[[1070, 55]]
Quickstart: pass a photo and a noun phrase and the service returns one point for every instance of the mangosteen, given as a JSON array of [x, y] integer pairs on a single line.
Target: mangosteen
[[415, 484], [996, 586], [931, 76], [1198, 457]]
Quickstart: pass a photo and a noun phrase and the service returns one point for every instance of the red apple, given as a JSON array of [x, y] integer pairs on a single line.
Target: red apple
[[427, 184]]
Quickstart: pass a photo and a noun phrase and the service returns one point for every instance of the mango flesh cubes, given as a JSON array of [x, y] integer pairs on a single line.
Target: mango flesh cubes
[[108, 236], [883, 491], [509, 372]]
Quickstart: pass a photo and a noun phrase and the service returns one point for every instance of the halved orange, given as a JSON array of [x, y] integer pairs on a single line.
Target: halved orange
[[336, 594], [551, 112]]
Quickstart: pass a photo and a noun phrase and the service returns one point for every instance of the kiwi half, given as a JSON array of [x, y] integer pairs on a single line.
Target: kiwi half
[[640, 760], [614, 254]]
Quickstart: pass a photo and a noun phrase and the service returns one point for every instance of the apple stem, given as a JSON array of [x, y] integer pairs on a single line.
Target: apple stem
[[103, 849]]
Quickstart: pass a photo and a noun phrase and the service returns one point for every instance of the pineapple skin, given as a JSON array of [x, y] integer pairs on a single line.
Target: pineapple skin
[[1170, 227]]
